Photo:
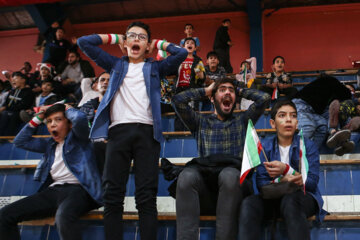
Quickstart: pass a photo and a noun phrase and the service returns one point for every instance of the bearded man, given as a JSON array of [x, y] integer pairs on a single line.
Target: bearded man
[[209, 184]]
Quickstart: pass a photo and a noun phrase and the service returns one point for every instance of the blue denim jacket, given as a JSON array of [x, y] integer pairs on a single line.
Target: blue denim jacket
[[78, 154], [118, 67], [270, 146]]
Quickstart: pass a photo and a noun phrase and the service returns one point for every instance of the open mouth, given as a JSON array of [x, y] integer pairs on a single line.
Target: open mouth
[[55, 134], [227, 103], [135, 48]]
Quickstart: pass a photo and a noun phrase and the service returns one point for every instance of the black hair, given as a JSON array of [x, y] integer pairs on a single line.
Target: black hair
[[54, 109], [278, 105], [190, 38], [75, 52], [245, 62], [219, 82], [212, 53], [61, 28], [188, 24], [226, 20], [19, 74], [141, 25], [29, 64], [277, 58], [48, 81]]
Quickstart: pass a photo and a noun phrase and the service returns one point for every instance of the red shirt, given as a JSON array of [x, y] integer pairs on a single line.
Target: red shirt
[[185, 73]]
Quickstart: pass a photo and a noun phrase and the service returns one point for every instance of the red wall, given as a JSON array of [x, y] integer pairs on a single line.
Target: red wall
[[309, 38], [172, 29], [313, 38], [16, 46]]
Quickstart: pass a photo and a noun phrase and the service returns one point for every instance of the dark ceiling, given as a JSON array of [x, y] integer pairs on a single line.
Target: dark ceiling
[[87, 11]]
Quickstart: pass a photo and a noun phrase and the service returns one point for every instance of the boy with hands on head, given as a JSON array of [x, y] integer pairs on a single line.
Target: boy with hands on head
[[129, 117]]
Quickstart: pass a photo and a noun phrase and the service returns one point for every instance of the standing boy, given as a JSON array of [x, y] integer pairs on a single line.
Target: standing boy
[[222, 44], [129, 117], [70, 181], [283, 153], [189, 30]]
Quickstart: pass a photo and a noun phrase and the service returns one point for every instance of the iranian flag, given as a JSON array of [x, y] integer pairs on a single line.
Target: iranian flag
[[275, 94], [252, 149], [304, 165]]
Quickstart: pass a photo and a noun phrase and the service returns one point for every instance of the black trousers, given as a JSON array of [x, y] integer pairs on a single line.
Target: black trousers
[[294, 208], [126, 142], [67, 202]]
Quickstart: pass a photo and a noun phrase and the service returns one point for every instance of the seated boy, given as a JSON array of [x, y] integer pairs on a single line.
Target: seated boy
[[189, 30], [279, 80], [46, 97], [213, 71], [70, 180], [283, 153], [246, 77]]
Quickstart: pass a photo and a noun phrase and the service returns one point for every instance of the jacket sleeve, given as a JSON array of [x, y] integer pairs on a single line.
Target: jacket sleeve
[[180, 103], [80, 125], [25, 140], [89, 45], [172, 62], [312, 155], [261, 101], [262, 177]]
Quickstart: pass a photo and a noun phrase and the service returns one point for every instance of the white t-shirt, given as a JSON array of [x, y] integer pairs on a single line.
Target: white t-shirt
[[131, 104], [59, 172], [284, 154]]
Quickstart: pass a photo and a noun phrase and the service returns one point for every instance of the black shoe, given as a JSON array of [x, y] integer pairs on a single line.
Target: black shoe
[[338, 137], [346, 147]]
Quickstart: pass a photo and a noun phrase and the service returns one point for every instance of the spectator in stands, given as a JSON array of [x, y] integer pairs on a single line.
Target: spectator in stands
[[222, 44], [211, 182], [47, 86], [279, 82], [344, 118], [191, 74], [70, 181], [90, 108], [45, 72], [26, 69], [283, 153], [246, 77], [7, 80], [189, 30], [3, 93], [19, 98], [89, 89], [57, 45], [129, 117], [214, 72], [312, 103], [73, 71]]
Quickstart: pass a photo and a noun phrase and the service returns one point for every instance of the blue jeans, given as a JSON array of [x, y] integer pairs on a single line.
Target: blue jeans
[[314, 126]]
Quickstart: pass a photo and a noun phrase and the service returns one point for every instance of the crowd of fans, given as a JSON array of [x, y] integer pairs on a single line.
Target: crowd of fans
[[123, 109]]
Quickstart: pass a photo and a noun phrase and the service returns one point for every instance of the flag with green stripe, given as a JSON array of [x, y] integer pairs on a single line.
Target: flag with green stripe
[[304, 165], [252, 149]]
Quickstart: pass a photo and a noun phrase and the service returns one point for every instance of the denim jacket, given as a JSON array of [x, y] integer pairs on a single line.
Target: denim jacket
[[271, 148], [118, 67], [78, 154]]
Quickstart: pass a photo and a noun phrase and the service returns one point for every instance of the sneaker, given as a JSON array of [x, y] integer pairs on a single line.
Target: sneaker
[[346, 147], [338, 137]]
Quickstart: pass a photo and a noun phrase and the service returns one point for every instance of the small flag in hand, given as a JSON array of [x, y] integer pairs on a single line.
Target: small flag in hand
[[252, 149], [304, 165]]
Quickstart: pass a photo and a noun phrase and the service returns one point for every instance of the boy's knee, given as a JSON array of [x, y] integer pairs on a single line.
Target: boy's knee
[[229, 179], [187, 179]]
